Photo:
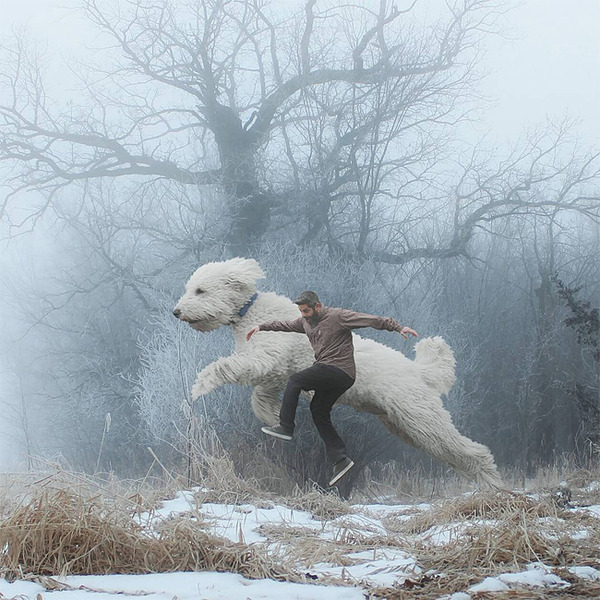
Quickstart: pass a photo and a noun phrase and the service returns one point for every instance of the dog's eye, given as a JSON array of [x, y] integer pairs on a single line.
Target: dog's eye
[[199, 291]]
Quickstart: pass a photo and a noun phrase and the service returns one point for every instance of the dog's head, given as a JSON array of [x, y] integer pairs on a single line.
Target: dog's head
[[217, 291]]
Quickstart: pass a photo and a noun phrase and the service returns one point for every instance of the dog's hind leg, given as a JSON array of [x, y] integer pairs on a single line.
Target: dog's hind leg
[[265, 404], [438, 436]]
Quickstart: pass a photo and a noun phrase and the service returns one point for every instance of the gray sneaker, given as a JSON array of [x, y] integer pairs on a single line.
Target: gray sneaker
[[279, 432], [340, 469]]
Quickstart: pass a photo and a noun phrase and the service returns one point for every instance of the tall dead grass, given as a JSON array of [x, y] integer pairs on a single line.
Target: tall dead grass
[[61, 533], [320, 504], [499, 532], [492, 505], [67, 523], [507, 529]]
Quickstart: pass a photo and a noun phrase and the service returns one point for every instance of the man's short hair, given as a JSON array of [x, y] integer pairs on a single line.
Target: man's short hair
[[307, 297]]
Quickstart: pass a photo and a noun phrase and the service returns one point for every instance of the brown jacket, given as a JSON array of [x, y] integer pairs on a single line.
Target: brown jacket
[[331, 334]]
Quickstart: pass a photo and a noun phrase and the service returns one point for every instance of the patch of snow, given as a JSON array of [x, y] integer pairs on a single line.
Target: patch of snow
[[361, 523], [19, 589], [580, 535], [384, 510], [490, 584], [446, 533], [536, 575], [240, 523], [384, 567], [586, 573], [456, 596], [182, 503], [191, 586], [595, 510]]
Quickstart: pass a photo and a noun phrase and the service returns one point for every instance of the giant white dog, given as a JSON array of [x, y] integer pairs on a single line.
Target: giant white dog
[[404, 394]]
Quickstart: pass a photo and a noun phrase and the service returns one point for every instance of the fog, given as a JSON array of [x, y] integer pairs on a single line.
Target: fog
[[488, 191], [546, 62]]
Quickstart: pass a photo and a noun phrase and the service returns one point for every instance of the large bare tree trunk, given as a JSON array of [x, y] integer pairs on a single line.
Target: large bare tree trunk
[[248, 206]]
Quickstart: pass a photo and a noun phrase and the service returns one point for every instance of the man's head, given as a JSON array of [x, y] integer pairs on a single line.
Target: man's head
[[308, 304]]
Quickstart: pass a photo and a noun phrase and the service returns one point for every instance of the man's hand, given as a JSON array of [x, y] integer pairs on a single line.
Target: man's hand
[[406, 331], [252, 332]]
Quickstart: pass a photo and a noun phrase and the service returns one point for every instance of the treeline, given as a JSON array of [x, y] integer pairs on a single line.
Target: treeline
[[107, 374]]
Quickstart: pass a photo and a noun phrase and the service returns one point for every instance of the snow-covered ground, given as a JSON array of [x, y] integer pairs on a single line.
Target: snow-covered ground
[[347, 573]]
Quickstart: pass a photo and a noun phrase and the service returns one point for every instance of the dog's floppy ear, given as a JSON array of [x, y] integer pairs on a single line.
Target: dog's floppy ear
[[244, 272]]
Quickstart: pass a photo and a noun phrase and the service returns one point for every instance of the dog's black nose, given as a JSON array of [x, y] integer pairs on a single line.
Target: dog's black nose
[[177, 312]]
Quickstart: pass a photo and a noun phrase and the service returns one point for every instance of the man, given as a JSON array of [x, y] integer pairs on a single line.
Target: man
[[329, 331]]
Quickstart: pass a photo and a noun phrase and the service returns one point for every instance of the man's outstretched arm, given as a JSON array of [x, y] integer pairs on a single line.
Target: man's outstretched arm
[[294, 326], [354, 320]]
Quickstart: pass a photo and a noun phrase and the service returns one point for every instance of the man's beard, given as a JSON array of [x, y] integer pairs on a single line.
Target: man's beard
[[314, 319]]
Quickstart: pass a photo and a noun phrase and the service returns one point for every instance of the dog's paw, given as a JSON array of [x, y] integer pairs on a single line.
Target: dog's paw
[[201, 388]]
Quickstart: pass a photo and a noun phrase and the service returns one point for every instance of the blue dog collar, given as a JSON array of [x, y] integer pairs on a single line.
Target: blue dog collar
[[248, 304]]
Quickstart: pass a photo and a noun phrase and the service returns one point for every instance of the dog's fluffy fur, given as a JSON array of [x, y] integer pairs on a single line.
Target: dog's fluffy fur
[[404, 394]]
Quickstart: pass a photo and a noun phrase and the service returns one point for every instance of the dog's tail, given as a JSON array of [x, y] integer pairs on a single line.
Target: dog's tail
[[438, 364]]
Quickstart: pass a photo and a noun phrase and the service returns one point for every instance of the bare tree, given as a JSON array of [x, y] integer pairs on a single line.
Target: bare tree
[[201, 92], [333, 127]]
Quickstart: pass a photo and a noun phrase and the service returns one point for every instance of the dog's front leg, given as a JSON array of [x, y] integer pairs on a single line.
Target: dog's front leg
[[211, 377], [237, 368]]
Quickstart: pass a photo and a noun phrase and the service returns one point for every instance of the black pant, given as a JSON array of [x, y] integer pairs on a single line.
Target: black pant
[[328, 383]]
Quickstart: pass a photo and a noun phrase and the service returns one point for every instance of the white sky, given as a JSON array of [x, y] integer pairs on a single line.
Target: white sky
[[551, 68]]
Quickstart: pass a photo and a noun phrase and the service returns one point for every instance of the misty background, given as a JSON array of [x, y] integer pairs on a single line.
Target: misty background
[[435, 163]]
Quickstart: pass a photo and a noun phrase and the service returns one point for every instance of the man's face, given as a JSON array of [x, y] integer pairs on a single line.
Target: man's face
[[307, 311]]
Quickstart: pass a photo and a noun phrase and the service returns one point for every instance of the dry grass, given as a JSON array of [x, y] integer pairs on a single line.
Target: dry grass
[[506, 529], [13, 489], [65, 523], [306, 550], [320, 504], [478, 506], [429, 588], [221, 484], [62, 533], [136, 496], [499, 532], [394, 480]]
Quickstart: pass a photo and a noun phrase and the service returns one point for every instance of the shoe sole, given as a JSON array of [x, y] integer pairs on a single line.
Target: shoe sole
[[341, 473], [281, 436]]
